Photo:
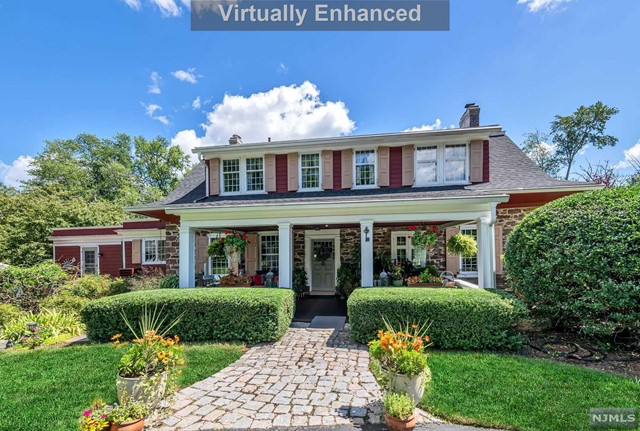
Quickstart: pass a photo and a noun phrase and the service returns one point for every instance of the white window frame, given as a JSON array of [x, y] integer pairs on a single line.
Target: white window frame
[[375, 169], [92, 247], [440, 160], [242, 160], [144, 252], [211, 237], [261, 235], [409, 247], [467, 274], [310, 189]]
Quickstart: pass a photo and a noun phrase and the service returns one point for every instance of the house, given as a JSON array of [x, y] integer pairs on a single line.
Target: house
[[317, 203], [134, 246]]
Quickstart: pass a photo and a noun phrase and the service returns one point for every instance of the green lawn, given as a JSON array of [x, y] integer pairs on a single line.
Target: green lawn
[[48, 389], [518, 393]]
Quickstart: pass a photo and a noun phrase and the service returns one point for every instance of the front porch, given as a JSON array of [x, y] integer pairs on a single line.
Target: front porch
[[322, 238]]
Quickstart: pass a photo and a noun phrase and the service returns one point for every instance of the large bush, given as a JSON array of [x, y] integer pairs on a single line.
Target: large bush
[[220, 314], [94, 286], [26, 287], [459, 318], [576, 262]]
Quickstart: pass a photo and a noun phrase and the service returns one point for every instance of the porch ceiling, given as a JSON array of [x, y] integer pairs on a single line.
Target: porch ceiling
[[441, 224]]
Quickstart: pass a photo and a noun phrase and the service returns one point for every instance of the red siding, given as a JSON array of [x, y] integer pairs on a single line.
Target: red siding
[[144, 224], [337, 170], [110, 259], [63, 253], [486, 177], [138, 267], [282, 180], [395, 167], [93, 230]]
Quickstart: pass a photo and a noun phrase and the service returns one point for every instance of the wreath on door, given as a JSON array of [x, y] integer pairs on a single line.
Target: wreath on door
[[322, 252]]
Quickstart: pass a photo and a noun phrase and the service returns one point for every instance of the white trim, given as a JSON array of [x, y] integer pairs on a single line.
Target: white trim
[[206, 179], [93, 247], [285, 254], [242, 162], [310, 189], [467, 274], [440, 165], [187, 251], [131, 234], [375, 169], [309, 237], [366, 253], [124, 254]]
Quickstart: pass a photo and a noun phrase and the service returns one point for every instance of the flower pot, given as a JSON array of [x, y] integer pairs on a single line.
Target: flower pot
[[395, 424], [414, 386], [396, 283], [129, 426], [134, 388]]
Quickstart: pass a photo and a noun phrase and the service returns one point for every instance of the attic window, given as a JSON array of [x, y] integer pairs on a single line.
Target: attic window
[[255, 174], [365, 168], [231, 175], [310, 171], [455, 163]]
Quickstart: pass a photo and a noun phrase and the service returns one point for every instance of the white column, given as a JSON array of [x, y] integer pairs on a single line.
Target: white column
[[186, 257], [366, 253], [486, 254], [285, 258]]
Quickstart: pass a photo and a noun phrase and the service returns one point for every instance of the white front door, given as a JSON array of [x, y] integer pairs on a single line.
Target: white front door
[[323, 266], [89, 260]]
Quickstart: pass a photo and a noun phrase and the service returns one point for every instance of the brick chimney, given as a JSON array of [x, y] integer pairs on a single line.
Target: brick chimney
[[471, 116]]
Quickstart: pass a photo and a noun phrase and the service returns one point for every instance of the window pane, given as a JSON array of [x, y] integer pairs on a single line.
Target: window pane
[[401, 255], [365, 157], [469, 264], [455, 152], [427, 154], [150, 251], [218, 265], [426, 165], [401, 240], [231, 175], [161, 256], [455, 163], [255, 174], [310, 160], [365, 168]]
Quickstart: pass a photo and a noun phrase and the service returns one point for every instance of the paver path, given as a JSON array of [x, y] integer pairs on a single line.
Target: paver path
[[312, 377]]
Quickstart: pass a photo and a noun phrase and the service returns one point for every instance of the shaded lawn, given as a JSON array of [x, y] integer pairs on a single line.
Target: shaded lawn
[[519, 393], [48, 389]]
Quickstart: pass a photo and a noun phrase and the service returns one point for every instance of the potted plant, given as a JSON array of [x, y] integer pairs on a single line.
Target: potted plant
[[95, 418], [233, 280], [233, 244], [427, 237], [425, 279], [399, 411], [396, 275], [400, 356], [463, 245], [150, 365], [128, 416]]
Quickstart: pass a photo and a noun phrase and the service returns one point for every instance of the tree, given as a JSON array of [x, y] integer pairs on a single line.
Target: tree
[[157, 164], [586, 126], [634, 178], [601, 173], [537, 148]]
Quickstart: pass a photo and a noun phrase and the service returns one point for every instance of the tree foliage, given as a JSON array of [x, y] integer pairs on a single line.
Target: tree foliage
[[586, 126], [536, 145]]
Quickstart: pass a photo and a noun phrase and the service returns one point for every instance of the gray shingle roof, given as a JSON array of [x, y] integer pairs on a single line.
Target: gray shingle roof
[[510, 169]]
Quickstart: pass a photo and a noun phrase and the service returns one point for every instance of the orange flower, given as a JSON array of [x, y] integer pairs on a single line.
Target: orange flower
[[116, 337], [426, 338], [161, 355], [165, 361], [414, 326]]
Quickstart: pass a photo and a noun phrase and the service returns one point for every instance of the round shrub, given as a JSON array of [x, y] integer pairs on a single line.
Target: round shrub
[[95, 286], [576, 263]]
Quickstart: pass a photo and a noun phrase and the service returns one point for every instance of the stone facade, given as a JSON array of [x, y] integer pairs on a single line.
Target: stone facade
[[172, 248], [508, 218]]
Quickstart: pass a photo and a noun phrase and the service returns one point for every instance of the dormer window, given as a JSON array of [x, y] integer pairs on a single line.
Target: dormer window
[[455, 163], [426, 165], [243, 175], [310, 171], [365, 168]]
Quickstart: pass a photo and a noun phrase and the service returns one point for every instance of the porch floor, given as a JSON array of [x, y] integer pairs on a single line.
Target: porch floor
[[311, 306]]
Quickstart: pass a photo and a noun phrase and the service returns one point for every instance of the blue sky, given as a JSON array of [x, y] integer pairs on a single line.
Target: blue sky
[[88, 66]]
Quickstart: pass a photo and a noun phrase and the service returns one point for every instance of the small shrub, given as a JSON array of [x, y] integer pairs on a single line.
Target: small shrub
[[220, 314], [171, 281], [66, 303], [347, 280], [575, 262], [9, 312], [472, 319], [26, 287], [94, 286], [399, 405], [52, 322], [300, 283], [146, 281]]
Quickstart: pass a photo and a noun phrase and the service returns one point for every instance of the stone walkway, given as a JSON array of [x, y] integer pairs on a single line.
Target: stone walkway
[[312, 377]]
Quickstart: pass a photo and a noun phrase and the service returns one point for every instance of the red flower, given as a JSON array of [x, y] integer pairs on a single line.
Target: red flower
[[412, 228], [245, 237], [227, 231]]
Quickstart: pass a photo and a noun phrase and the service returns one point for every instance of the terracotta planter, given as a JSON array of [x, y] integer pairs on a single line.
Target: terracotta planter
[[395, 424], [425, 284], [132, 388], [129, 426]]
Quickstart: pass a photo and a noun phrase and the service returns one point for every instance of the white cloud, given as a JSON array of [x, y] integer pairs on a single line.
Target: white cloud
[[282, 68], [286, 112], [543, 5], [632, 154], [18, 171], [168, 8], [435, 126], [196, 104], [151, 110], [186, 75], [187, 140], [156, 82]]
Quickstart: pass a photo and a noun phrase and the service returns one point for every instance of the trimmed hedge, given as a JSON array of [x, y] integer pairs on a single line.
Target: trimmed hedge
[[213, 314], [576, 263], [472, 319]]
